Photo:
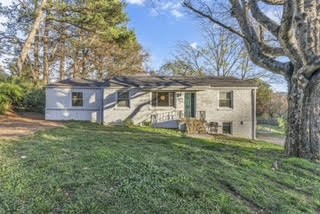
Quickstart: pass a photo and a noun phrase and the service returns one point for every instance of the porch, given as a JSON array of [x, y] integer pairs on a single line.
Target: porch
[[193, 124]]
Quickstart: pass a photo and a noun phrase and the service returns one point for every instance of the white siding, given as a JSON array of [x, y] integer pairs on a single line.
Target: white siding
[[207, 100], [59, 104], [240, 114], [140, 106]]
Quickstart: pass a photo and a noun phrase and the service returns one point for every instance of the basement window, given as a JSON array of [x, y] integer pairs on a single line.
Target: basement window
[[123, 99], [77, 99], [227, 127]]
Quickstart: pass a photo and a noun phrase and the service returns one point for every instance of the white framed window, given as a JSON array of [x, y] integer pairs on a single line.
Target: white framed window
[[227, 128], [226, 99], [123, 99], [163, 99], [77, 99]]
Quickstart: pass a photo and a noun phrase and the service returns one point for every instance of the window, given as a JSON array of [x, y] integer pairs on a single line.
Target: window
[[123, 99], [227, 128], [213, 127], [225, 99], [77, 99], [163, 99]]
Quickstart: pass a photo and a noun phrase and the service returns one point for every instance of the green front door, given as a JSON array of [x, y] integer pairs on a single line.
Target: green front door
[[189, 105]]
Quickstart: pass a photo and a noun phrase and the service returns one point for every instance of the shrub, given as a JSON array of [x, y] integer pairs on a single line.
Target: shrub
[[34, 101], [4, 103], [13, 91], [11, 94]]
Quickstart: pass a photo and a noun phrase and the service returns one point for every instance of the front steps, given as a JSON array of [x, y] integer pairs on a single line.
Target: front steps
[[194, 126]]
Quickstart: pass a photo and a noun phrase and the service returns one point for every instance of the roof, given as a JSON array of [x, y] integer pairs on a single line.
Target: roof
[[157, 81], [77, 83]]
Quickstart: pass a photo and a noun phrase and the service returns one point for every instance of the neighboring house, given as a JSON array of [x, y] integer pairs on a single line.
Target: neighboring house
[[228, 105]]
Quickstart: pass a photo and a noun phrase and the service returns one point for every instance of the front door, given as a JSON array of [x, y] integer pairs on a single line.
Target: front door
[[189, 105]]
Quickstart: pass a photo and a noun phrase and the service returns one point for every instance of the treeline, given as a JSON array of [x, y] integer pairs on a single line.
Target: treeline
[[56, 39]]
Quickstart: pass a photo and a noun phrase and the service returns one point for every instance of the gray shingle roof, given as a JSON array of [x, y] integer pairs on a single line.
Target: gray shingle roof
[[157, 81], [77, 83]]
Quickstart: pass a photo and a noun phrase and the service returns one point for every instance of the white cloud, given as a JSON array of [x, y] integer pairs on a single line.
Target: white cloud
[[136, 2], [194, 45], [177, 13], [167, 7]]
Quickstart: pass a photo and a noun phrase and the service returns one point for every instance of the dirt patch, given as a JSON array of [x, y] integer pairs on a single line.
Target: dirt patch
[[21, 125]]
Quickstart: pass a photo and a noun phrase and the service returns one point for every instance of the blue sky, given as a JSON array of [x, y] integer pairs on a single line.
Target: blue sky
[[159, 28]]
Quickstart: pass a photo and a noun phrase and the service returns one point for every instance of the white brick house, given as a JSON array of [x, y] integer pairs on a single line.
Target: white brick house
[[228, 105]]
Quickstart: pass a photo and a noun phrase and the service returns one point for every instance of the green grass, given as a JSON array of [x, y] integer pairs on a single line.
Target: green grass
[[87, 168], [272, 130]]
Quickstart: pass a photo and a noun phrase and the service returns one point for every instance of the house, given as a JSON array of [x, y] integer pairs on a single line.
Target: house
[[226, 105]]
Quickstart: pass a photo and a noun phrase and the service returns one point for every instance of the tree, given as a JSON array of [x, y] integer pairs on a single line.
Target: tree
[[264, 94], [62, 38], [296, 39], [220, 54]]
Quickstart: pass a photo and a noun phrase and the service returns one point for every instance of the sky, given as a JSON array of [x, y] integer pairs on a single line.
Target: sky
[[160, 27]]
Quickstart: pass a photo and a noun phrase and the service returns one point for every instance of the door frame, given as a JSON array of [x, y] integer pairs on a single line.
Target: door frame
[[192, 105]]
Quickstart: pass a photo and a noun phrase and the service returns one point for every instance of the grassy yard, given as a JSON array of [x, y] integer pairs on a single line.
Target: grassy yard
[[86, 168], [272, 130]]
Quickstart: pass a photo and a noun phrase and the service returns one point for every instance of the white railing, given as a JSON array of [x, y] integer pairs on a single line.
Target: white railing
[[175, 115]]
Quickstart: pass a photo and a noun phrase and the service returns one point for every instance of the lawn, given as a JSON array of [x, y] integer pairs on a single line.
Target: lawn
[[87, 168], [271, 130]]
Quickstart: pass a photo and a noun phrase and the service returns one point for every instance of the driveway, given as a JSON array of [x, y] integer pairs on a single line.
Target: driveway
[[21, 125]]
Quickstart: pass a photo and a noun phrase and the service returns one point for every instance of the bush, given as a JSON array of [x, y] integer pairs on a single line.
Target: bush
[[5, 104], [13, 91], [10, 95], [34, 101]]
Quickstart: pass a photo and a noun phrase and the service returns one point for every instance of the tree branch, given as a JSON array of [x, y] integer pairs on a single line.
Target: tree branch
[[264, 20], [275, 2], [188, 5]]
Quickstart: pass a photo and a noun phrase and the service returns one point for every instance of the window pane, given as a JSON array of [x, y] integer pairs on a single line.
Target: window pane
[[225, 99], [163, 99], [77, 99], [123, 99], [123, 103], [172, 99], [154, 99], [123, 95], [226, 128]]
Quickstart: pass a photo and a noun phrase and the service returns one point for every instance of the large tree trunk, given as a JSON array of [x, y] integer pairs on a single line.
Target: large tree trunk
[[27, 45], [303, 138]]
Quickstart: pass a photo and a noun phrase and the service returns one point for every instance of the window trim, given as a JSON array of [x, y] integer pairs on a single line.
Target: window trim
[[231, 128], [71, 100], [163, 107], [117, 99], [232, 99]]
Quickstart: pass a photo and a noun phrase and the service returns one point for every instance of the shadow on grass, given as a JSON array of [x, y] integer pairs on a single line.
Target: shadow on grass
[[88, 168]]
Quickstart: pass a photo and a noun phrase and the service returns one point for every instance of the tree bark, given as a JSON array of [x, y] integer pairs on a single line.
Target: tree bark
[[27, 45], [303, 137]]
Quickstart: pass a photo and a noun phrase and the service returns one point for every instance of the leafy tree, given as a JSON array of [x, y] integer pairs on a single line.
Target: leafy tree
[[56, 39], [289, 47], [264, 94]]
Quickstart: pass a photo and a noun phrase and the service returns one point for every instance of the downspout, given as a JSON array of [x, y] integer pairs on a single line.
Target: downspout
[[254, 115], [102, 106]]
